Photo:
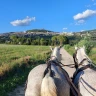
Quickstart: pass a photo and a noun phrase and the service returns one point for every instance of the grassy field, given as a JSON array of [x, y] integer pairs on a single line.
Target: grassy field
[[15, 63], [92, 54]]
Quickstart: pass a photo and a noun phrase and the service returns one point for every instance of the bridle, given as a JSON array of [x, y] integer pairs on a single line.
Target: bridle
[[76, 60], [74, 90], [89, 65], [81, 63]]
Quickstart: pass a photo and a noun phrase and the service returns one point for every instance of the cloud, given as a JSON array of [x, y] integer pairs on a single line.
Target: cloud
[[87, 5], [85, 14], [82, 30], [23, 22], [65, 28], [80, 22]]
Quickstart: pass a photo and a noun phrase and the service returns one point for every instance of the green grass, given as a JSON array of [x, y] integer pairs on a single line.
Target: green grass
[[11, 53], [15, 63], [69, 49], [92, 54]]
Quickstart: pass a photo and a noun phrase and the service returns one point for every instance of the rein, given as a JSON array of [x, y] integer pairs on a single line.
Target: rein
[[90, 65], [75, 91], [82, 62], [76, 60], [68, 65]]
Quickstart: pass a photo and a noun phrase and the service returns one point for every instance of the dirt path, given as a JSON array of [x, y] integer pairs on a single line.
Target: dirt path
[[66, 59]]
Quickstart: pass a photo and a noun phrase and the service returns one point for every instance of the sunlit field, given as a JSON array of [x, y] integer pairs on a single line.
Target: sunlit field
[[15, 63]]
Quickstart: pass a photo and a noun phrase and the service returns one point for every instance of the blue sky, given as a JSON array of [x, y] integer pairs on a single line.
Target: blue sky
[[56, 15]]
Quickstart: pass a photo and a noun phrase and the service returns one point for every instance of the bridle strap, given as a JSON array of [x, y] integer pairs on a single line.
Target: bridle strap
[[69, 65], [82, 62], [75, 91]]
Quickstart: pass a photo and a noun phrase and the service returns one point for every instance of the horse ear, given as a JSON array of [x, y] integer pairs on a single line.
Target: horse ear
[[76, 47], [60, 46], [51, 48]]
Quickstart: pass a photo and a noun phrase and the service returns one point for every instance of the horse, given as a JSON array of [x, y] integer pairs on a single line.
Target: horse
[[48, 79], [85, 74]]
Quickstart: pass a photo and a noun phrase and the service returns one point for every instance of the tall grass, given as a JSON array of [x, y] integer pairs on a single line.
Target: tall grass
[[15, 63]]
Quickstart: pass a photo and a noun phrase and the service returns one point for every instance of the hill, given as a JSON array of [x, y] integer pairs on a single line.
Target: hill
[[39, 30]]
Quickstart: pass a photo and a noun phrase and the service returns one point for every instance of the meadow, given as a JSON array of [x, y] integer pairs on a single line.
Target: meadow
[[15, 63]]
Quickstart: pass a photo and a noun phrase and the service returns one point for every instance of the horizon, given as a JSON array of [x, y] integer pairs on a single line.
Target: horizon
[[58, 16], [49, 30]]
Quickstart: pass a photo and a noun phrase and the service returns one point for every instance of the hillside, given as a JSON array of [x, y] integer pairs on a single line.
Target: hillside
[[39, 30], [87, 31]]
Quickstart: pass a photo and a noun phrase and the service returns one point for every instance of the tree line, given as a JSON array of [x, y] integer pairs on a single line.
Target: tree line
[[54, 40]]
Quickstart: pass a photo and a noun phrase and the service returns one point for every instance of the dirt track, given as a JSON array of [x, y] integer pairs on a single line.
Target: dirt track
[[66, 59]]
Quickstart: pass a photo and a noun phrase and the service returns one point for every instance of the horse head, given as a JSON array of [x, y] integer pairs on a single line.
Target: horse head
[[80, 57], [56, 56]]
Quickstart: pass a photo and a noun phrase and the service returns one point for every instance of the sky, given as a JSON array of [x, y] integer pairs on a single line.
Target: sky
[[55, 15]]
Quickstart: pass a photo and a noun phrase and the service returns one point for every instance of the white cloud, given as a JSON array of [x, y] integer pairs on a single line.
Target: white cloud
[[87, 5], [23, 22], [82, 30], [85, 14], [65, 28], [81, 21]]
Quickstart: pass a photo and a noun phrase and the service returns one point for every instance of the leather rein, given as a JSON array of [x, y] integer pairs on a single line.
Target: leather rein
[[90, 65], [75, 91]]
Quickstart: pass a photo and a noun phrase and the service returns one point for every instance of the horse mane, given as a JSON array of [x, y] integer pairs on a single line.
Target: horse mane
[[56, 54], [48, 87]]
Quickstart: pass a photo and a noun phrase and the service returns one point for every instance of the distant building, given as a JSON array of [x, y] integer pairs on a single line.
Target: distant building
[[68, 33]]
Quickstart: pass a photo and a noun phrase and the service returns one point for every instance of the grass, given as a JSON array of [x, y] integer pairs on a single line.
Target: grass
[[92, 54], [11, 53], [69, 49], [15, 63]]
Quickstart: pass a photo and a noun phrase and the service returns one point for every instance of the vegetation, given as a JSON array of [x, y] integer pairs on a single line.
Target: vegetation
[[92, 54], [15, 63], [73, 40], [59, 40], [89, 45], [39, 30], [55, 40], [69, 49]]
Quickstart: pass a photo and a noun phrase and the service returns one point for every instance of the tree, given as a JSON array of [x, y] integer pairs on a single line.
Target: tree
[[62, 39], [14, 39], [28, 41], [54, 40]]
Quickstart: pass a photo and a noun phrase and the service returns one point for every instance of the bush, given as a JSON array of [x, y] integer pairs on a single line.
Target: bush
[[87, 43]]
